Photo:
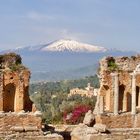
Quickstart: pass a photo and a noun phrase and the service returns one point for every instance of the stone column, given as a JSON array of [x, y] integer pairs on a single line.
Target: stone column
[[19, 101], [101, 104], [116, 92], [124, 103], [133, 111], [1, 92]]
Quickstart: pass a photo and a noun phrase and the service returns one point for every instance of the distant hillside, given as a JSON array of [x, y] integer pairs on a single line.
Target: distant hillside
[[65, 75], [63, 86], [51, 98]]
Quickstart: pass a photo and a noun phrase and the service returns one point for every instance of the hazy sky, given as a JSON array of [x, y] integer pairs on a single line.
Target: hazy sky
[[107, 23]]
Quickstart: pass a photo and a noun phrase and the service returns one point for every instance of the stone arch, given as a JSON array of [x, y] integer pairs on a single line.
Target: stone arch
[[9, 97], [121, 97], [107, 98], [27, 101]]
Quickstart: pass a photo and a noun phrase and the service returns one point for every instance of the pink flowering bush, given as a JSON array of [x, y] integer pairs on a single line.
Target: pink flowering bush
[[76, 115]]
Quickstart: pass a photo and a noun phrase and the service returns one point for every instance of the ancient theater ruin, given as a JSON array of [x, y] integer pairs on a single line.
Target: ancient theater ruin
[[116, 115], [118, 103], [15, 105], [14, 84]]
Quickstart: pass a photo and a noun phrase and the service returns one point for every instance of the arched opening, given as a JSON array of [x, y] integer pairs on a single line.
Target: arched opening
[[128, 101], [9, 98], [107, 101], [137, 96], [27, 101], [121, 97]]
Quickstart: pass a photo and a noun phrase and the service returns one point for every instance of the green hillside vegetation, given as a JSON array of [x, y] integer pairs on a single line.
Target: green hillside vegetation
[[52, 98]]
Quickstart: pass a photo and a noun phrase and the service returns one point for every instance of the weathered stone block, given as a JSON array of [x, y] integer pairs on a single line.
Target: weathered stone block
[[31, 128], [100, 127], [89, 118], [54, 137], [17, 128]]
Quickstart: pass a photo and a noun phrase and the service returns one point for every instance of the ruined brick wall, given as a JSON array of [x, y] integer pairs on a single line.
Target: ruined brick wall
[[123, 63], [124, 66], [21, 125], [20, 122], [15, 105], [14, 84], [125, 120], [116, 134], [119, 121], [15, 91]]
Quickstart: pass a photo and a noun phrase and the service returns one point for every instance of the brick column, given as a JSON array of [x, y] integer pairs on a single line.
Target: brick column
[[116, 92], [133, 111], [101, 104], [124, 103], [19, 104], [1, 92]]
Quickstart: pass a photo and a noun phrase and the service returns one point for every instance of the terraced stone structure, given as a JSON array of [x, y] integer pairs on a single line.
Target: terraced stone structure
[[15, 105], [118, 104]]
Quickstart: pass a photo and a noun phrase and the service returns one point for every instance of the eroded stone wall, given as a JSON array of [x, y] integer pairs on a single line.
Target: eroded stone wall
[[123, 63], [125, 120], [20, 122], [15, 105], [14, 84], [124, 66]]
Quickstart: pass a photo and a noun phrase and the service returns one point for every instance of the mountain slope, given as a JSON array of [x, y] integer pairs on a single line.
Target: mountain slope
[[64, 46], [63, 59], [72, 46]]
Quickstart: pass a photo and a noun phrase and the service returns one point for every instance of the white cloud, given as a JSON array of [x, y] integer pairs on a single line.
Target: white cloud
[[67, 34], [44, 33], [39, 16]]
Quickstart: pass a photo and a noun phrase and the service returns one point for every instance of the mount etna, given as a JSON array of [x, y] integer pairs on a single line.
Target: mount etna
[[63, 59]]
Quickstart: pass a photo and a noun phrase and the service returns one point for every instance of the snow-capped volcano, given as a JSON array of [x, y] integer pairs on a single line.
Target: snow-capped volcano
[[63, 59], [72, 46], [64, 45]]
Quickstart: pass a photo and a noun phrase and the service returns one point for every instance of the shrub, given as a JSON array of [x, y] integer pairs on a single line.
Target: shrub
[[112, 65], [15, 67], [11, 57], [77, 115], [11, 60]]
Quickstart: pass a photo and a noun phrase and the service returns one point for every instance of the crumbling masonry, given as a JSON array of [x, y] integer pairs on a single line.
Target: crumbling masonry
[[14, 84], [15, 105], [117, 110], [119, 93]]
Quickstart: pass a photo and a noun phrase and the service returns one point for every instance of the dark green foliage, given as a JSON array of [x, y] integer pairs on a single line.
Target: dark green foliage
[[11, 60], [112, 65], [52, 97], [11, 57], [83, 100], [64, 86], [17, 67]]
